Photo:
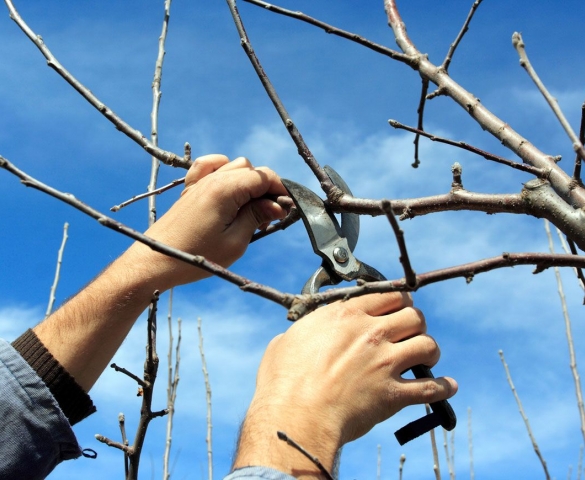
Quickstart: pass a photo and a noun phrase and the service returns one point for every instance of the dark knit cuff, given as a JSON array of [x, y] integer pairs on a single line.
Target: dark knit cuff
[[73, 400]]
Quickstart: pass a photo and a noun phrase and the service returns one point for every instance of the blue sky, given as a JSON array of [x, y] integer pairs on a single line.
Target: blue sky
[[341, 96]]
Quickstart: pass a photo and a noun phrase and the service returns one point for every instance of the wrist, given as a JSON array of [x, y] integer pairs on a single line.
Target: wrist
[[259, 444]]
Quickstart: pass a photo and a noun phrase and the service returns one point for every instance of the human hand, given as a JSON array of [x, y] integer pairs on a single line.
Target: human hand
[[219, 210], [334, 375]]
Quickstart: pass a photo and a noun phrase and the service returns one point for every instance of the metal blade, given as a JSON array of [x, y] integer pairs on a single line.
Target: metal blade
[[323, 229], [350, 222]]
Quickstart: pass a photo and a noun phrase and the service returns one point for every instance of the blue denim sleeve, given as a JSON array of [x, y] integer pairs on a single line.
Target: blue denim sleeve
[[257, 473], [35, 435]]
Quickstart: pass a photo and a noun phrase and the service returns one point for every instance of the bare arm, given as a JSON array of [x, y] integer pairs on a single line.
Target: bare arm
[[334, 375], [216, 216]]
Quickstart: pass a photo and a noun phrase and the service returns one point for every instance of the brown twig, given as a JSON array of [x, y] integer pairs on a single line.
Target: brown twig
[[208, 438], [420, 112], [463, 31], [524, 417], [569, 334], [201, 262], [57, 271], [538, 172], [409, 273], [354, 37], [328, 187], [157, 191], [168, 158], [554, 105], [577, 169], [285, 438]]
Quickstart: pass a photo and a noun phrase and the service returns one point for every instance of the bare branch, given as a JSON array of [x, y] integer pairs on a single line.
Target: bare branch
[[157, 191], [524, 417], [156, 94], [168, 158], [208, 438], [111, 443], [331, 190], [560, 181], [354, 37], [126, 372], [554, 105], [172, 384], [420, 112], [196, 260], [409, 274], [285, 438], [569, 334], [463, 31], [577, 170], [538, 172], [57, 271]]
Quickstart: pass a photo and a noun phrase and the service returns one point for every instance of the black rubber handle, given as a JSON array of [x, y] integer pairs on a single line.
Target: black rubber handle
[[442, 414]]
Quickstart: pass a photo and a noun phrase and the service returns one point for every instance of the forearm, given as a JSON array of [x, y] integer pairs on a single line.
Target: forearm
[[85, 333]]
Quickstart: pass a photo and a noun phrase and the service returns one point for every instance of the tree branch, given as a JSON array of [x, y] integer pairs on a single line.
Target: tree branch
[[57, 271], [554, 105], [168, 158], [331, 190], [463, 31], [538, 172]]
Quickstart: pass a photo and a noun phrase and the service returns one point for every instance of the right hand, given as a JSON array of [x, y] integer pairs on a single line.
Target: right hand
[[336, 373]]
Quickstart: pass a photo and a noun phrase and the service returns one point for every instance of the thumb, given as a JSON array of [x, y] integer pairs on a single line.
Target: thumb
[[256, 214]]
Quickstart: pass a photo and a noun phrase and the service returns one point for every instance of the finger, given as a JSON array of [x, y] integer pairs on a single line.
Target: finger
[[203, 166], [427, 390], [240, 162], [249, 184], [256, 213], [403, 324], [419, 350], [381, 303]]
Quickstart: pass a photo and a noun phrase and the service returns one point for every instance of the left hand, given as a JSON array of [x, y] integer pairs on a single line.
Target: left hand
[[221, 207]]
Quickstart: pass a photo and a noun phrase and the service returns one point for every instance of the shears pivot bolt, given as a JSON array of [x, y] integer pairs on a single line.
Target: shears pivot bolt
[[340, 255]]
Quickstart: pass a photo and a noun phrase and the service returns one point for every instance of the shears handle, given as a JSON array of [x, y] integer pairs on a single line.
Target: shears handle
[[442, 414]]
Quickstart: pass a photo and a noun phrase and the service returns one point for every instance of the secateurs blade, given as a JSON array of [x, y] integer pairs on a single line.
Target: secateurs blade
[[335, 244]]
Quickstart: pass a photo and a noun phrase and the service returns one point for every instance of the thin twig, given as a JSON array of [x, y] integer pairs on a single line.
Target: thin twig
[[569, 247], [156, 94], [137, 379], [285, 438], [172, 385], [168, 158], [420, 112], [554, 105], [379, 463], [580, 464], [401, 466], [577, 169], [409, 273], [569, 334], [448, 457], [122, 423], [208, 438], [331, 190], [158, 191], [538, 172], [330, 29], [57, 271], [436, 466], [470, 442], [463, 31], [524, 417]]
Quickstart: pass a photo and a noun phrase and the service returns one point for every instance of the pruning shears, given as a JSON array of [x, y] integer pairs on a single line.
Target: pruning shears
[[335, 244]]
